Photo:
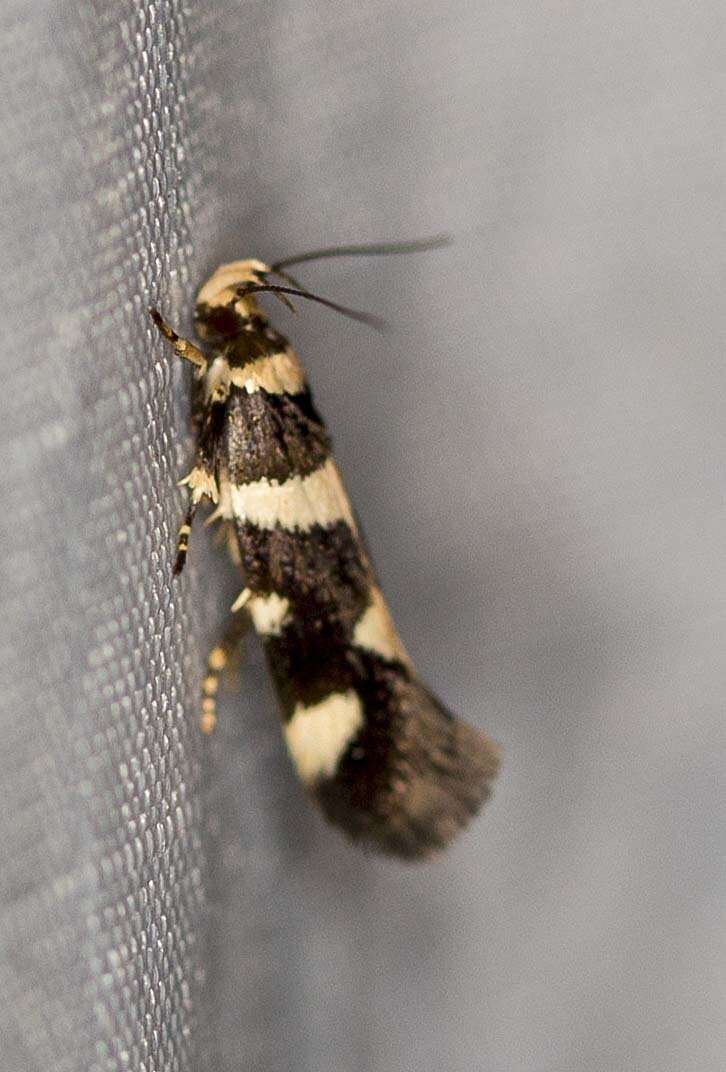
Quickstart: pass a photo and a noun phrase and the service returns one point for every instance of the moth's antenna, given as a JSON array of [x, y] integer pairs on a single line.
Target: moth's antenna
[[353, 314], [380, 249]]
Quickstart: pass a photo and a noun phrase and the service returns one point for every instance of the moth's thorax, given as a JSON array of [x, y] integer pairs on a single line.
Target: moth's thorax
[[277, 372]]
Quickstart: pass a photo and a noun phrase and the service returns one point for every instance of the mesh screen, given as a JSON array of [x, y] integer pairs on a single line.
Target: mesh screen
[[102, 866]]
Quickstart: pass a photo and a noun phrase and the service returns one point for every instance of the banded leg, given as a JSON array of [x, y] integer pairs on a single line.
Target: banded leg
[[201, 479], [182, 347], [202, 484], [182, 541], [217, 660]]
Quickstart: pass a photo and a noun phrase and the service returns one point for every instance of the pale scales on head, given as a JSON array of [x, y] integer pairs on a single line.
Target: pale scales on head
[[221, 287]]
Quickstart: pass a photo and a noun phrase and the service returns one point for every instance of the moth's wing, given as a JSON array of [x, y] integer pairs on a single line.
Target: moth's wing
[[415, 775], [384, 758]]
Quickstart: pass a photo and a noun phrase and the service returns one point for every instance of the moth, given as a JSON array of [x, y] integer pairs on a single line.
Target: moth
[[382, 756]]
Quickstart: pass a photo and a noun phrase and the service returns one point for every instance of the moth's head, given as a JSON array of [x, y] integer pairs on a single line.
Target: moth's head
[[224, 307], [219, 308]]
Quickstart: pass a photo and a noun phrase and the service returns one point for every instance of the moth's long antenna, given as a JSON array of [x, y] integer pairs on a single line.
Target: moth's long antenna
[[353, 314], [377, 250]]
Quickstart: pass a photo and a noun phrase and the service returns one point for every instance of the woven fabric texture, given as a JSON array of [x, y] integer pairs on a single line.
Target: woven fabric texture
[[536, 450], [101, 874]]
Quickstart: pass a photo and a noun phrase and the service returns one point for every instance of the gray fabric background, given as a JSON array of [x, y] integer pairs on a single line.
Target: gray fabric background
[[537, 454]]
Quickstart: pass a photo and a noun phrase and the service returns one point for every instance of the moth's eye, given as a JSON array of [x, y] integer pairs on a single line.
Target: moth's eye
[[218, 320]]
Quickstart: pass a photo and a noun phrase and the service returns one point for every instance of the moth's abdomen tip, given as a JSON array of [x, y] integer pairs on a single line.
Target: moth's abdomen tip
[[436, 776]]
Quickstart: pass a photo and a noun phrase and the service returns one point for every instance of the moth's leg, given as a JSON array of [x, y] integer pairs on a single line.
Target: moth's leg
[[182, 540], [202, 484], [182, 347], [201, 479], [217, 660]]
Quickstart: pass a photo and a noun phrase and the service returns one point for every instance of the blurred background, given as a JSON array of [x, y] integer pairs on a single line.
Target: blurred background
[[536, 450]]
